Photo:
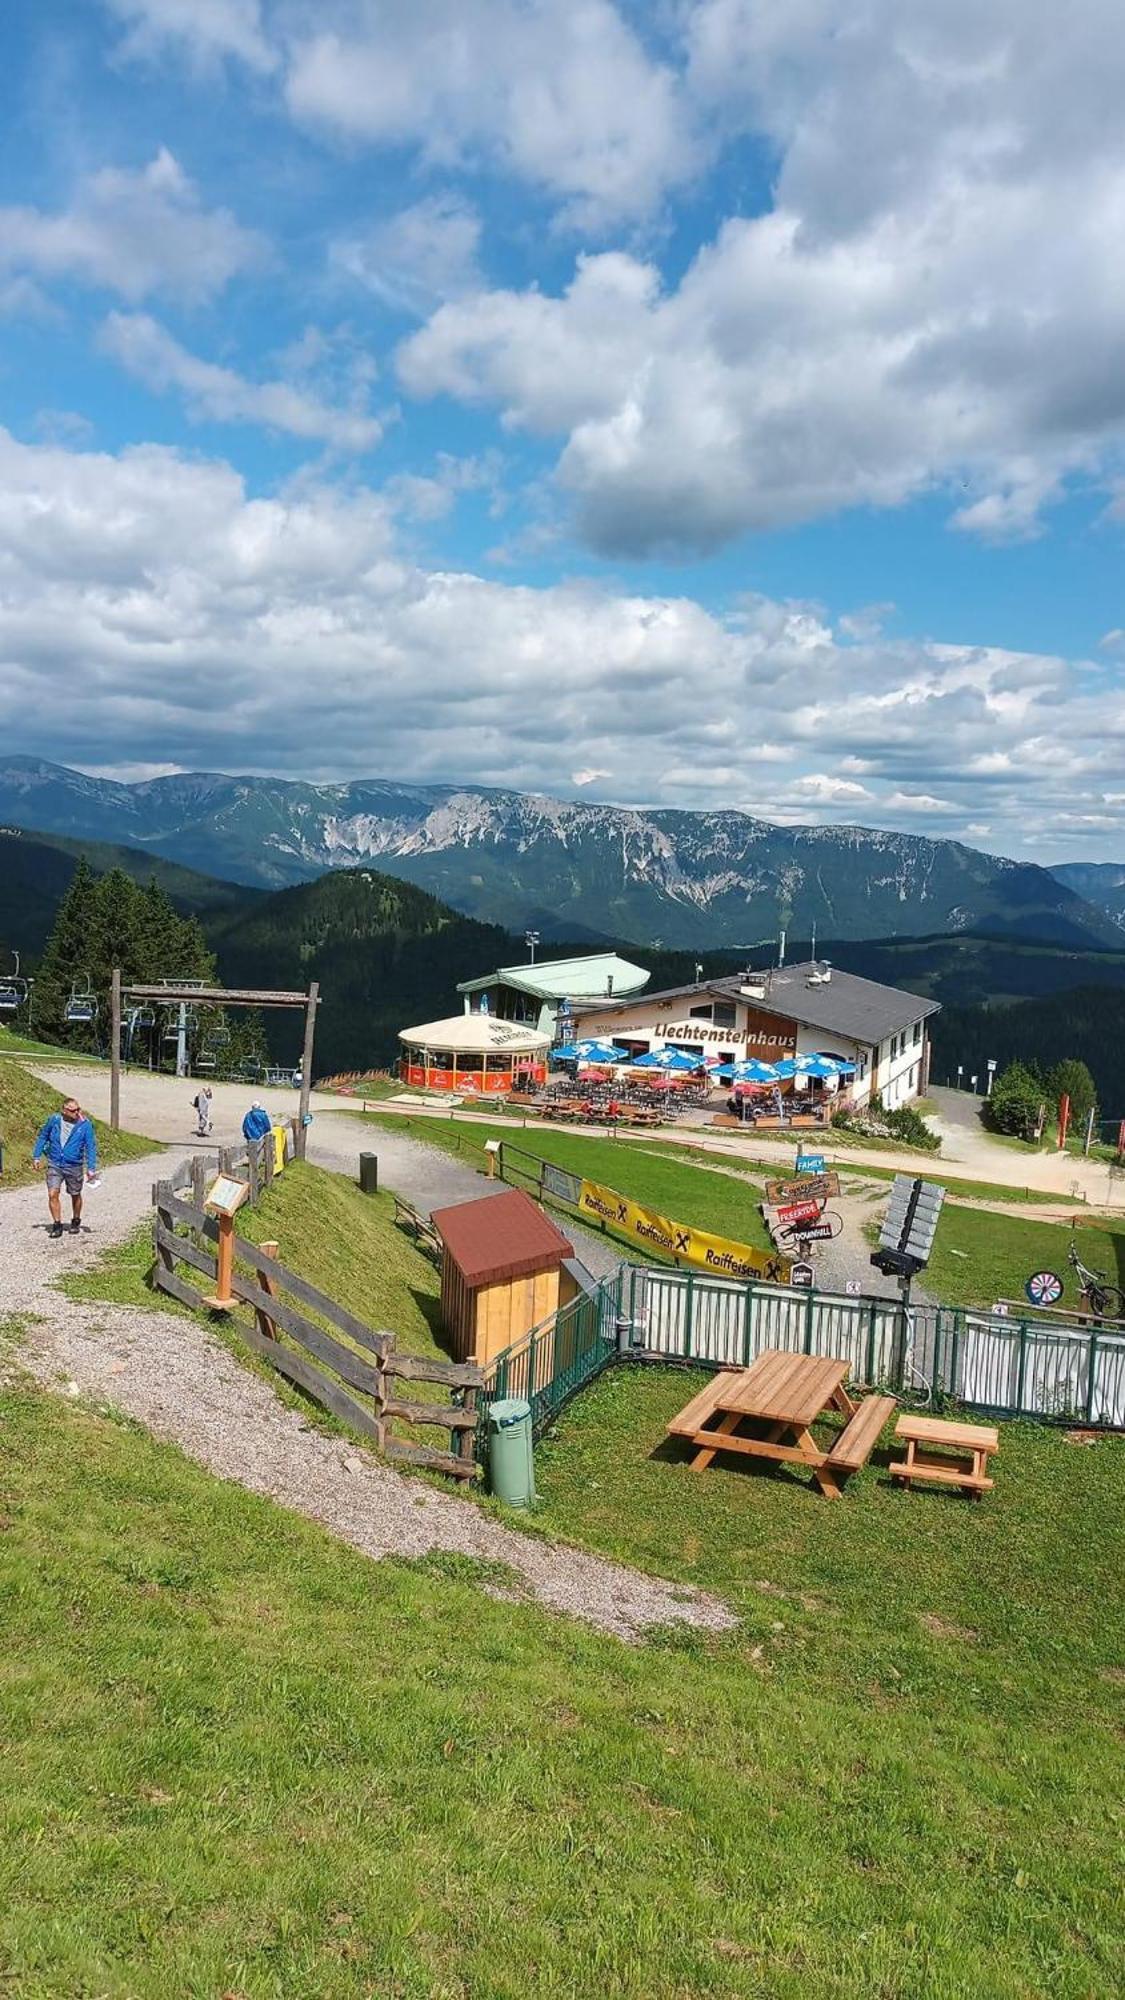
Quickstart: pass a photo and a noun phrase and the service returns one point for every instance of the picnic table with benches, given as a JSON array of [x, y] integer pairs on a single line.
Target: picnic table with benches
[[768, 1409]]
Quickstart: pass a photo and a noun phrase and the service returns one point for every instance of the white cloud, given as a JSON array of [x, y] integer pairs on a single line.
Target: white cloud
[[565, 97], [207, 30], [134, 233], [415, 259], [207, 624], [220, 395], [931, 299]]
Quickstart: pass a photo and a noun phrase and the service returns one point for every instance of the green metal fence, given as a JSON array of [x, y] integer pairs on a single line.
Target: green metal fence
[[1001, 1364], [558, 1357]]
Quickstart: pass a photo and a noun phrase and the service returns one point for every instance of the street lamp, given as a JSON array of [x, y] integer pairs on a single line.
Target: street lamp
[[991, 1073], [960, 1074], [531, 939], [698, 970], [973, 1081]]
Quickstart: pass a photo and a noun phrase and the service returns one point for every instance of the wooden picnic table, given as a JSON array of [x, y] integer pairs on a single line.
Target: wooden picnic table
[[768, 1409]]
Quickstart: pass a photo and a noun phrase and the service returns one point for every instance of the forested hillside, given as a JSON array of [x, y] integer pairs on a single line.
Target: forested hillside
[[1087, 1025], [37, 869], [387, 955]]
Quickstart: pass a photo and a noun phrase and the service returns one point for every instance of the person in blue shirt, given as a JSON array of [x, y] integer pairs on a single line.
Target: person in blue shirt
[[66, 1141], [256, 1123]]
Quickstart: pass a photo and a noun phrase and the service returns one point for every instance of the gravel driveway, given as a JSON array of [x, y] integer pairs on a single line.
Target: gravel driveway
[[171, 1374]]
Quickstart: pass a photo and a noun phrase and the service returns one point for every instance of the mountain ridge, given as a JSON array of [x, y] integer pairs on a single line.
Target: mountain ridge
[[663, 875]]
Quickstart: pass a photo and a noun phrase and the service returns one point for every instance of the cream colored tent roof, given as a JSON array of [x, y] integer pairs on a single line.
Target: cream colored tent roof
[[476, 1034]]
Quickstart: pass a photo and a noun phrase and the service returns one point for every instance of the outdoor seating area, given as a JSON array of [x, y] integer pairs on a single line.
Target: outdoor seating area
[[768, 1410]]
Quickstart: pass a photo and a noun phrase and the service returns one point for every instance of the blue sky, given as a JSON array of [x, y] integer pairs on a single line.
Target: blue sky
[[713, 403]]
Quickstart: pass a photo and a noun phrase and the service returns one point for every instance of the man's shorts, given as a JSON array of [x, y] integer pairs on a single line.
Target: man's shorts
[[69, 1178]]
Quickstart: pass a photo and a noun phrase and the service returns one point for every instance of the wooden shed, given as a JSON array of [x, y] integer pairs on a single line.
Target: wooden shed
[[501, 1272]]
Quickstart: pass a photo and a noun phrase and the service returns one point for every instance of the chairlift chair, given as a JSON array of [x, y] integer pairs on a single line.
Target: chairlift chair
[[81, 1008], [204, 1064], [13, 989]]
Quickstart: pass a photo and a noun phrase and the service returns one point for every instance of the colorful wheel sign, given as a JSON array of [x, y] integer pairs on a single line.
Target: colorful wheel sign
[[1044, 1288]]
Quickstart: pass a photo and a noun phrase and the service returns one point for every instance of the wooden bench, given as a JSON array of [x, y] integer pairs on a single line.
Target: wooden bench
[[855, 1443], [972, 1442]]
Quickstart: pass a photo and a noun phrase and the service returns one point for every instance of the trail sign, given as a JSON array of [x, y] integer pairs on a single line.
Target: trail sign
[[816, 1232], [810, 1163], [802, 1276], [799, 1211], [854, 1288]]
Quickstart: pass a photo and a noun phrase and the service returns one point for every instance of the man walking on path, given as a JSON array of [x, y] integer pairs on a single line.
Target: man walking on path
[[67, 1141], [201, 1105], [256, 1123]]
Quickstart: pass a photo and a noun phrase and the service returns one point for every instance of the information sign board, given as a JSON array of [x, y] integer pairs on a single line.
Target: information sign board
[[226, 1195], [802, 1275]]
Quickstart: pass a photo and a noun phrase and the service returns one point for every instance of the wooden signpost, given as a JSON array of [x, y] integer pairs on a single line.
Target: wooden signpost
[[225, 1198]]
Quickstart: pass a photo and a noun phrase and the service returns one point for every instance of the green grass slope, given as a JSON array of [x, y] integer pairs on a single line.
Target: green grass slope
[[242, 1760], [24, 1103]]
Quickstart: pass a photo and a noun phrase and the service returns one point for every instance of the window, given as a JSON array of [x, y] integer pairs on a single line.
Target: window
[[723, 1014], [701, 1013], [917, 1033]]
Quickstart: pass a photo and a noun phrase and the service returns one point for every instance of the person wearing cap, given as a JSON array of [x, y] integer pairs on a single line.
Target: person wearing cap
[[66, 1141], [256, 1123]]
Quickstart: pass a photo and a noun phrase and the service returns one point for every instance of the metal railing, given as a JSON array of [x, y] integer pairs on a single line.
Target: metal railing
[[558, 1357]]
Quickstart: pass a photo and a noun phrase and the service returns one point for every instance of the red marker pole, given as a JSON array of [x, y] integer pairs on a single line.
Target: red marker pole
[[1064, 1119]]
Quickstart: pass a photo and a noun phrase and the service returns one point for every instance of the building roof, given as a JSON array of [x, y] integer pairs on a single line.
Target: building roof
[[476, 1034], [844, 1004], [500, 1236], [599, 973]]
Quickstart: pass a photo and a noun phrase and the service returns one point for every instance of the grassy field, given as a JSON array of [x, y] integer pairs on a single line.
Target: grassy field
[[654, 1174], [979, 1256], [14, 1044], [24, 1103], [242, 1761]]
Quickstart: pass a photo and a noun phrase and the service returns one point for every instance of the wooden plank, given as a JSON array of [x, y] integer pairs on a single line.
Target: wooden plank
[[936, 1430], [297, 1369], [167, 1281], [350, 1367], [218, 996], [416, 1368], [444, 1415], [856, 1441], [309, 1295], [941, 1476], [786, 1454], [184, 1251], [722, 1430], [266, 1323], [186, 1211], [438, 1461], [466, 1443], [694, 1414]]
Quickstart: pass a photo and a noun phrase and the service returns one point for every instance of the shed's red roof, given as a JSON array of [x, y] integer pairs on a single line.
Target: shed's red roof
[[500, 1236]]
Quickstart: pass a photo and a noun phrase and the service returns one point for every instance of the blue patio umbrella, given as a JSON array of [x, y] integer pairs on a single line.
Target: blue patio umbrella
[[753, 1071], [590, 1052], [821, 1066], [668, 1059]]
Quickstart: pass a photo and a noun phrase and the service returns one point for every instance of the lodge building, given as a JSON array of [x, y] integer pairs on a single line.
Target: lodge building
[[793, 1010]]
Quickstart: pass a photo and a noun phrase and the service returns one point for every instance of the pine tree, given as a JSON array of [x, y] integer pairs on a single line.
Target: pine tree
[[66, 962]]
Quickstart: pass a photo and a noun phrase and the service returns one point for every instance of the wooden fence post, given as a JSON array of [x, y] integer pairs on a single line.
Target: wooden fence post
[[465, 1442], [266, 1326], [198, 1180], [252, 1157], [269, 1156], [381, 1395]]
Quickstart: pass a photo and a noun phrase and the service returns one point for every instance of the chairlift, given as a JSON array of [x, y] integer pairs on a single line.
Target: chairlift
[[13, 989], [219, 1037], [81, 1008], [204, 1064]]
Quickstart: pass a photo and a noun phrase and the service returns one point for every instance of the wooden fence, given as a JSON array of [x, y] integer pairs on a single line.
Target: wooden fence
[[254, 1162], [356, 1377]]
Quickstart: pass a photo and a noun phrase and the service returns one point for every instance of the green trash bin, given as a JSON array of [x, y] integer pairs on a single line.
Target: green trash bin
[[511, 1463]]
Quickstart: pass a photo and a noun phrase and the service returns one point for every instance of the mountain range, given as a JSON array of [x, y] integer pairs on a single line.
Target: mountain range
[[573, 870]]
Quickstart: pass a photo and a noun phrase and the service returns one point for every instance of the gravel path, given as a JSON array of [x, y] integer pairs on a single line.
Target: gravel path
[[171, 1374]]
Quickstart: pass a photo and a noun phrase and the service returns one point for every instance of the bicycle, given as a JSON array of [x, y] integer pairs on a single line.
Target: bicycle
[[1104, 1300]]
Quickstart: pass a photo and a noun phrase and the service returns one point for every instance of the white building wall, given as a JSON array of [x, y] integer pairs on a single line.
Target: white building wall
[[901, 1066]]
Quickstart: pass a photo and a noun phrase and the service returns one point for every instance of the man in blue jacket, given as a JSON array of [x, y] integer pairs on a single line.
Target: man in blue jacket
[[256, 1123], [66, 1140]]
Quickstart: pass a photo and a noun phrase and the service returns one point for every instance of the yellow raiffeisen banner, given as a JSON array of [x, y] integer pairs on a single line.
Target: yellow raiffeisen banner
[[678, 1239]]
